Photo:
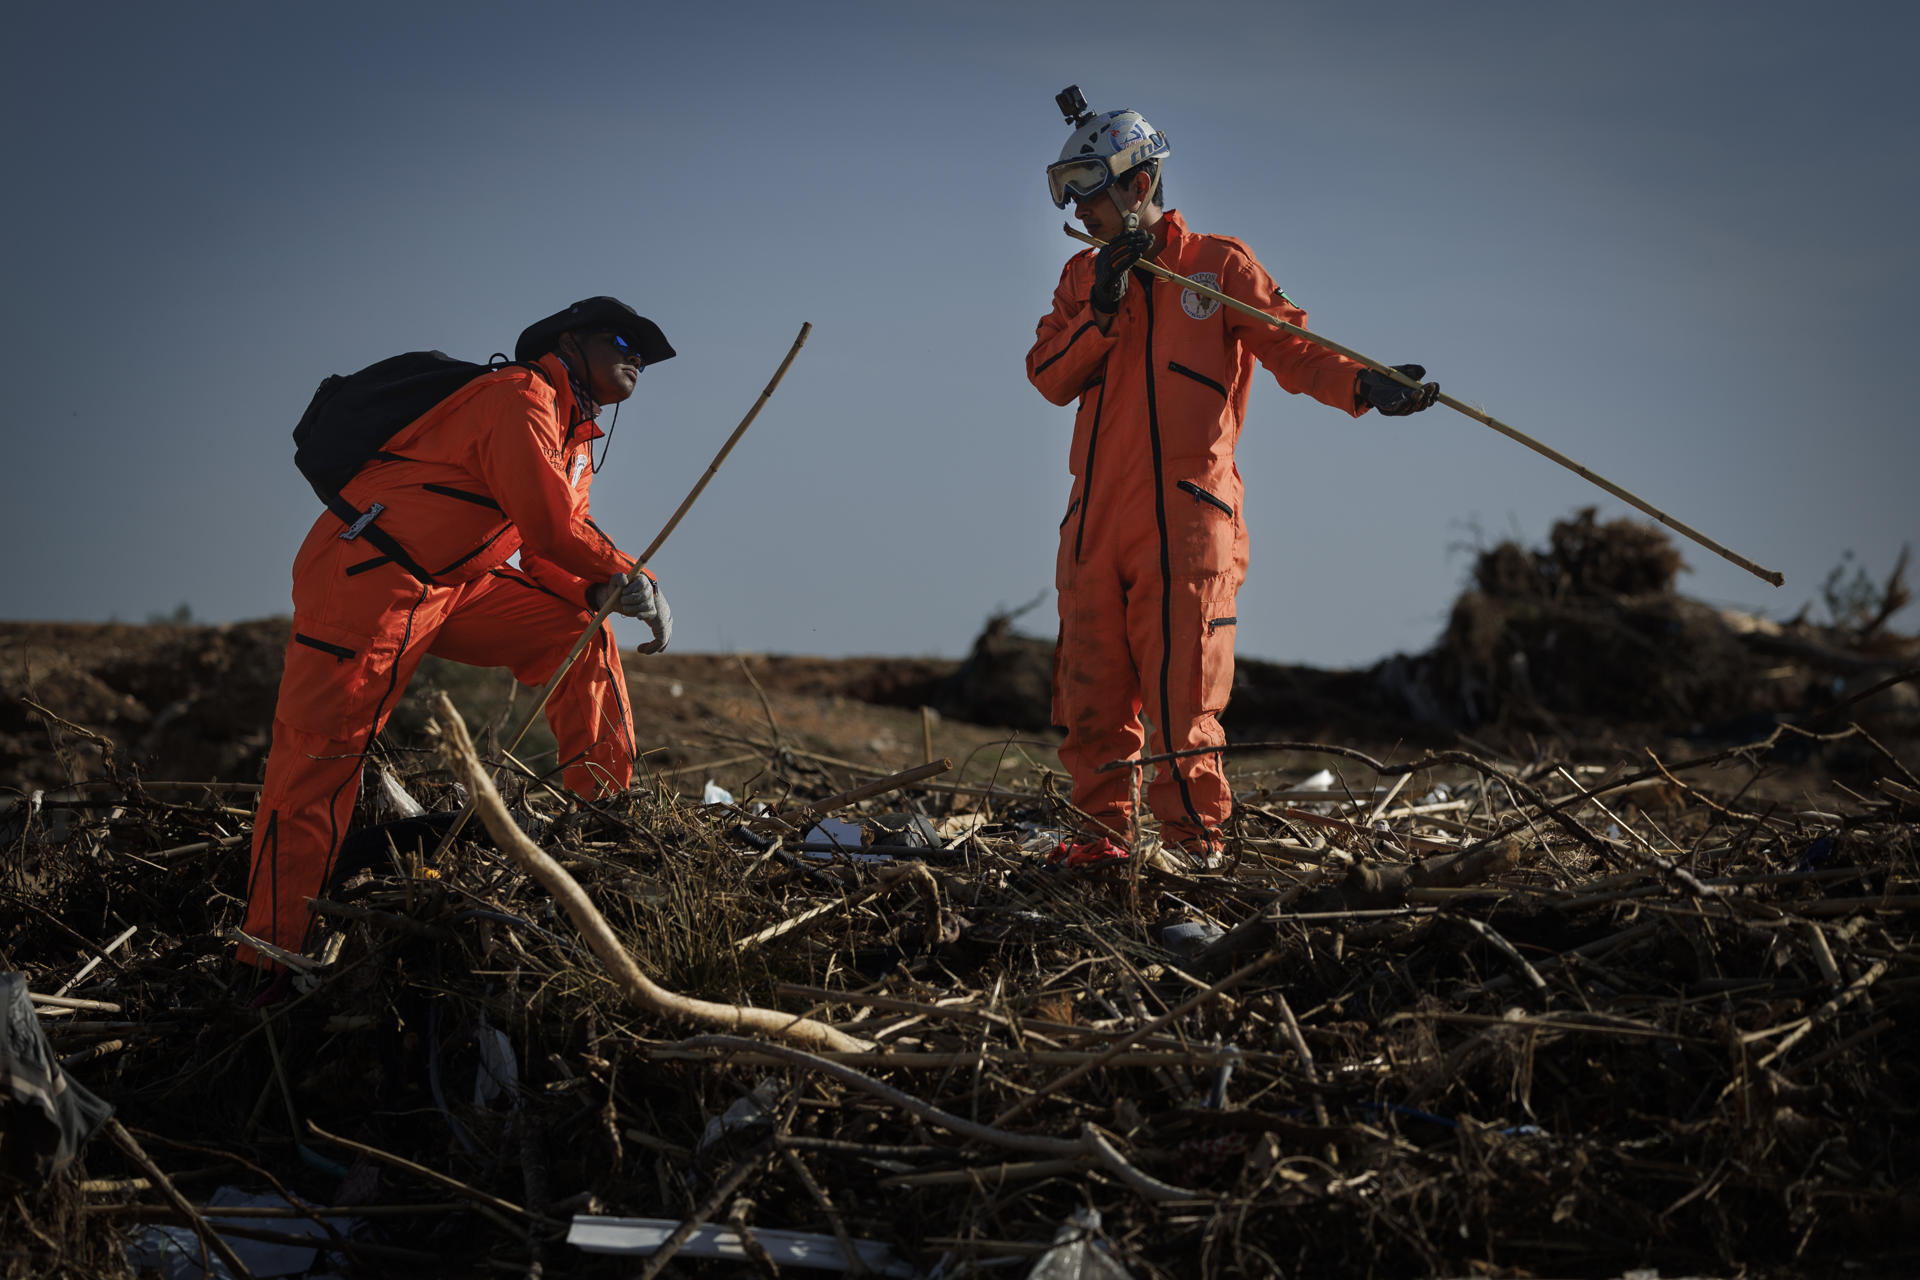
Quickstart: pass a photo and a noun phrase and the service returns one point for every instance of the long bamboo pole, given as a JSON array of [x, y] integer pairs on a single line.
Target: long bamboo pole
[[607, 606], [727, 448], [1545, 451]]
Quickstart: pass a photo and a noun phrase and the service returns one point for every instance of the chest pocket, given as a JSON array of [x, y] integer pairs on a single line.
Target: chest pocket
[[1218, 388]]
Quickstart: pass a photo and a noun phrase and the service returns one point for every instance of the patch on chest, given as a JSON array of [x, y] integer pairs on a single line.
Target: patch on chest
[[579, 465], [1198, 305]]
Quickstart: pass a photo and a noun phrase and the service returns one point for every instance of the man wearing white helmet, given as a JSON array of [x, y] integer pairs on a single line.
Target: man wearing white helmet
[[1153, 546]]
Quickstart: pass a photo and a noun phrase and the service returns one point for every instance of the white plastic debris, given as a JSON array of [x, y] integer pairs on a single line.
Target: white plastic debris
[[714, 793], [960, 826], [1318, 782], [1035, 838], [175, 1253], [1078, 1253], [747, 1112], [641, 1237], [498, 1073], [394, 797]]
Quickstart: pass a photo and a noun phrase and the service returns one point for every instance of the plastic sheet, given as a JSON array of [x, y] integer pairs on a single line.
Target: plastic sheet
[[1078, 1253], [45, 1116], [175, 1253]]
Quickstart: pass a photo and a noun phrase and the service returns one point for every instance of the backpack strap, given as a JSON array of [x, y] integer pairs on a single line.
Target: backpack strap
[[505, 363], [365, 524]]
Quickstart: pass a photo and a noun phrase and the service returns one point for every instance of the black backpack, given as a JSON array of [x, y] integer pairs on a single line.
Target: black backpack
[[351, 416]]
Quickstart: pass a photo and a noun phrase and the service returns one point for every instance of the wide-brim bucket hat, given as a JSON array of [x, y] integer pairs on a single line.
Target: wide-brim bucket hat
[[589, 314]]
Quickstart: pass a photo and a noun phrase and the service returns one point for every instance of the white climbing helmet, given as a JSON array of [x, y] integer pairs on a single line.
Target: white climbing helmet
[[1101, 150]]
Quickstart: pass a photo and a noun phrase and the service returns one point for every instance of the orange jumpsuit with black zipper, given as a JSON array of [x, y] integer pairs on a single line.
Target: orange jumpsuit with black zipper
[[502, 465], [1153, 547]]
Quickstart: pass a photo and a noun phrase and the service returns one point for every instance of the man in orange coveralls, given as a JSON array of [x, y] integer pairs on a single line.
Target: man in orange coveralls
[[504, 464], [1153, 547]]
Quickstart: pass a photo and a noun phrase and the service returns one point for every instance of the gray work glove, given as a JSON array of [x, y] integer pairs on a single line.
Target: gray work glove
[[640, 597]]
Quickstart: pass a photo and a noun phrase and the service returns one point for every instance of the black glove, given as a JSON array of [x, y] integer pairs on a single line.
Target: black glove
[[1111, 264], [1390, 399]]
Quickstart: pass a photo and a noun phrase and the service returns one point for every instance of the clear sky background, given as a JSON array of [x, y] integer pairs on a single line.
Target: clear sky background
[[1676, 241]]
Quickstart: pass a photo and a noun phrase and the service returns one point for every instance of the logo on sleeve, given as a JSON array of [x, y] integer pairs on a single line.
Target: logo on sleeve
[[1198, 305]]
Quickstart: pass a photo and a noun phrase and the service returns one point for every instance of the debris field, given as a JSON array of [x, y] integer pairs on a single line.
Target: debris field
[[1550, 991]]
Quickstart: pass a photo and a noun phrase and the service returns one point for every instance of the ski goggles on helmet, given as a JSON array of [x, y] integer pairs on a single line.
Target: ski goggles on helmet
[[1077, 180]]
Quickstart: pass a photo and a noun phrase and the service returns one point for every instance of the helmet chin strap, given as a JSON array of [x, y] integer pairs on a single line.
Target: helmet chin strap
[[1130, 215]]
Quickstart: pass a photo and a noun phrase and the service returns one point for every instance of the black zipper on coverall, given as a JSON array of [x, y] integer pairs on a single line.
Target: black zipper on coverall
[[334, 834], [1166, 564], [1086, 472]]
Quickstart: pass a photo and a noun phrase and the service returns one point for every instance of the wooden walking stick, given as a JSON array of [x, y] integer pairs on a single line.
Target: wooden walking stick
[[613, 597], [1765, 575]]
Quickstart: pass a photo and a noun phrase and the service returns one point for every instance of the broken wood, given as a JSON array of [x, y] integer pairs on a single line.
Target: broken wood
[[639, 988], [867, 791]]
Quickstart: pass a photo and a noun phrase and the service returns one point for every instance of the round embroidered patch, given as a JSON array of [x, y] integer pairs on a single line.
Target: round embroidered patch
[[1197, 305]]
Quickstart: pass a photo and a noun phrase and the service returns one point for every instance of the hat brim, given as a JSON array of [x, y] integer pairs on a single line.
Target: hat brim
[[591, 314]]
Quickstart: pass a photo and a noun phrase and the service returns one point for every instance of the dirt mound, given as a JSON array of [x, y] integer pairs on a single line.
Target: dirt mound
[[193, 699], [1007, 678], [1583, 638], [1588, 631], [1650, 659], [1583, 558]]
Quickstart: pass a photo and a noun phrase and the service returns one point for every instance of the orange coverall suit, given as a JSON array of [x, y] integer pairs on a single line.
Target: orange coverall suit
[[1153, 546], [502, 465]]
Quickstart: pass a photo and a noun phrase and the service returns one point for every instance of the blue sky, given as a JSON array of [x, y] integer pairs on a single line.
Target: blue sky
[[1674, 241]]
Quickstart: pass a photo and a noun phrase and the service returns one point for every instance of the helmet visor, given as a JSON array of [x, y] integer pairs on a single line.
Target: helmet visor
[[1077, 180]]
